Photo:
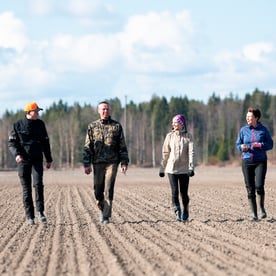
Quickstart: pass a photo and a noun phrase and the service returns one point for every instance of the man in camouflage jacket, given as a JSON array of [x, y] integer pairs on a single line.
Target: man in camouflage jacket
[[105, 148]]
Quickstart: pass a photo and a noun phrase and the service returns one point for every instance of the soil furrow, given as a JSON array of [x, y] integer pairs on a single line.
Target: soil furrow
[[80, 226], [143, 237], [171, 247], [56, 220], [211, 247], [102, 258]]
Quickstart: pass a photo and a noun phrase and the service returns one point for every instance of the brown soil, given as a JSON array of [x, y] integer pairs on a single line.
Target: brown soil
[[143, 237]]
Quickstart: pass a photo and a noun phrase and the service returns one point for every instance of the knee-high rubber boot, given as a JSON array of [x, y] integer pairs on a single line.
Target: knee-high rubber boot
[[261, 199], [106, 213], [185, 214], [177, 212], [253, 207]]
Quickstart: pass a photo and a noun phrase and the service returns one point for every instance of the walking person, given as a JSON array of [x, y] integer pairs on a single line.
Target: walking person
[[105, 148], [253, 141], [28, 142], [178, 162]]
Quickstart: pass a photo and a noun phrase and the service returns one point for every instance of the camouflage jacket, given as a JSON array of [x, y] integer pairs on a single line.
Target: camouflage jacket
[[105, 143]]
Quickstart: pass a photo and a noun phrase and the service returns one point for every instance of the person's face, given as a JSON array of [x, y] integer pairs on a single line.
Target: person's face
[[33, 115], [251, 119], [104, 110], [176, 125]]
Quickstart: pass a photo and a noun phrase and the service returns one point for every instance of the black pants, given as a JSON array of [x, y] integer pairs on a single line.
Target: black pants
[[179, 182], [26, 170], [254, 177]]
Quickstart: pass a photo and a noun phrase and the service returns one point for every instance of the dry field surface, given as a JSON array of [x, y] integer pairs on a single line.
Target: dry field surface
[[143, 237]]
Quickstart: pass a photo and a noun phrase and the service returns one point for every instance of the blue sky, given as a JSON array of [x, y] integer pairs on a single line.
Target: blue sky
[[88, 50]]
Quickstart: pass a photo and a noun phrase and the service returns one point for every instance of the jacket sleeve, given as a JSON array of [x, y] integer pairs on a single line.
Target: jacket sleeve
[[191, 153], [239, 140], [13, 142], [123, 149], [268, 143], [165, 154], [87, 154], [46, 145]]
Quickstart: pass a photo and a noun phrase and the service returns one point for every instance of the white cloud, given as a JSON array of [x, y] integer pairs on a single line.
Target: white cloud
[[24, 75], [92, 14], [154, 52], [256, 52], [83, 53], [41, 7], [160, 42], [252, 66], [227, 60], [12, 32], [84, 7]]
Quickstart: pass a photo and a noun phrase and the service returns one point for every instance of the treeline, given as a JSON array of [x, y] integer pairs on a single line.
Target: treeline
[[214, 126]]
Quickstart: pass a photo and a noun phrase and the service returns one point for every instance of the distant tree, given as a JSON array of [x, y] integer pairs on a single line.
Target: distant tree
[[196, 123], [116, 109], [6, 123], [159, 116], [214, 127]]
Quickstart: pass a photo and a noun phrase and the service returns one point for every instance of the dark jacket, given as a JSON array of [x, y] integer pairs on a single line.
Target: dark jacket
[[29, 139], [105, 143], [249, 135]]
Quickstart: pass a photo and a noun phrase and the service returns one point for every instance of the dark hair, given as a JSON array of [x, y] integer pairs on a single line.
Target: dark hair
[[256, 112], [103, 102]]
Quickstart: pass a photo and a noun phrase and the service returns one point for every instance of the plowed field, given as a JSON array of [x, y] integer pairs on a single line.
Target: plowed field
[[143, 237]]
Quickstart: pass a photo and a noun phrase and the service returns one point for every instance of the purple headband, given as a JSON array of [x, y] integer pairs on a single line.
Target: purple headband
[[180, 119]]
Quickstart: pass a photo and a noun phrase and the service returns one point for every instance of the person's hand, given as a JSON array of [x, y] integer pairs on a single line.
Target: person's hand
[[124, 169], [48, 165], [18, 158], [191, 173], [87, 170], [244, 147], [161, 174]]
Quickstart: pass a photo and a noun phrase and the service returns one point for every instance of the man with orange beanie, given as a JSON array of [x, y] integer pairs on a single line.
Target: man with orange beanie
[[28, 142]]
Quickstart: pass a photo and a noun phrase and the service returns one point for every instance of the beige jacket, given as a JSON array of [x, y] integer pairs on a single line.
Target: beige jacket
[[177, 153]]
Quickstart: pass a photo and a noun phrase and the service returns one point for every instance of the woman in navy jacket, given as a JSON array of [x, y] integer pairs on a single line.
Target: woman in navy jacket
[[253, 141]]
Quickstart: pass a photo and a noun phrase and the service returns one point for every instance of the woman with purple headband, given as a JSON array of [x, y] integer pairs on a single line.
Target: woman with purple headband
[[178, 162]]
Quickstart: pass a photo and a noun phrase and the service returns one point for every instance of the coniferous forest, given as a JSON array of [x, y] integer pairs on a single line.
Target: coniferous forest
[[214, 126]]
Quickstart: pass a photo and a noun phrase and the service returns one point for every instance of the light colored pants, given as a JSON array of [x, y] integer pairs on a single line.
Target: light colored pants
[[104, 182]]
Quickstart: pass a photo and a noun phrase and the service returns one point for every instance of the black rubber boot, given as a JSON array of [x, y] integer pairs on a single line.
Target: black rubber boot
[[253, 207], [177, 211], [261, 199], [185, 214]]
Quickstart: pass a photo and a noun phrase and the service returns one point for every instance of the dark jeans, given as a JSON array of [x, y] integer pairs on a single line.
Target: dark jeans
[[254, 177], [179, 182], [26, 170]]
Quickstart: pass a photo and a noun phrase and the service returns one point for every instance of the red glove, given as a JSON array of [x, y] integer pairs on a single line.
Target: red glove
[[257, 145]]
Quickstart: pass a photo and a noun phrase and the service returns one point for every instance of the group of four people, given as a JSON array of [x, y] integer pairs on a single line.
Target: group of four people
[[105, 149]]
